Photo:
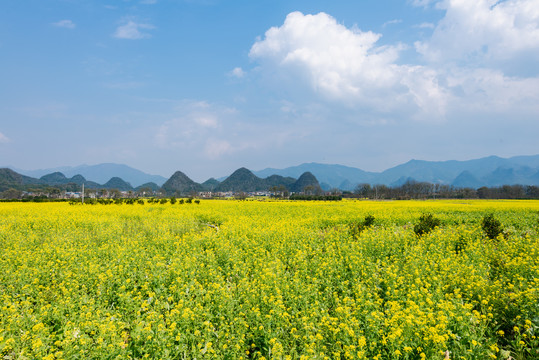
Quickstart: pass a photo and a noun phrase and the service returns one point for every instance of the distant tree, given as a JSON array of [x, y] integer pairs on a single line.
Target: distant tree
[[11, 194], [144, 191], [532, 192], [483, 192], [90, 193], [240, 195], [54, 192], [115, 193], [363, 190]]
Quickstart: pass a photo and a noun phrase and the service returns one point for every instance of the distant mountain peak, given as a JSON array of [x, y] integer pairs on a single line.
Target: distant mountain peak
[[180, 184]]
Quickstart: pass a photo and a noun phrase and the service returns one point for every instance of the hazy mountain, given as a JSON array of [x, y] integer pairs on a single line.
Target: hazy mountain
[[242, 180], [332, 175], [56, 178], [210, 184], [466, 180], [100, 173], [150, 185], [11, 179], [277, 180], [117, 183], [488, 171], [180, 184], [306, 180]]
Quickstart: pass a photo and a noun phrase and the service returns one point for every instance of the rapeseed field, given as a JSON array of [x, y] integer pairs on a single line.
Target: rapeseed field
[[268, 280]]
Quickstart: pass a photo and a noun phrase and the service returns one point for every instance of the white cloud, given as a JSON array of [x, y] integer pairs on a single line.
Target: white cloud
[[133, 31], [237, 72], [4, 139], [425, 25], [484, 32], [195, 121], [346, 65], [216, 148], [68, 24], [392, 22]]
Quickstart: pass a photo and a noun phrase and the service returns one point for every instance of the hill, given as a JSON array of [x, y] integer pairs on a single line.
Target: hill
[[180, 184], [244, 180], [489, 171], [210, 184], [100, 173], [117, 183], [148, 186], [331, 175], [10, 179], [307, 182]]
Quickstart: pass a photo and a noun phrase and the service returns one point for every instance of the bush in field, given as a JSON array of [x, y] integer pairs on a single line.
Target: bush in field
[[427, 222], [357, 227], [491, 226], [172, 200]]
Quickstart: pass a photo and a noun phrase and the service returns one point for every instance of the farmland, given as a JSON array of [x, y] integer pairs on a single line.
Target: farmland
[[268, 280]]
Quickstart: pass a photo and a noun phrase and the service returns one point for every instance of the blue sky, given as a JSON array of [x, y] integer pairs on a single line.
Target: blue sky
[[208, 86]]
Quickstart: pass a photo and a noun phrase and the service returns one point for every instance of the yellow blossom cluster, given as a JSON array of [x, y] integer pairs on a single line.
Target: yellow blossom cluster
[[230, 279]]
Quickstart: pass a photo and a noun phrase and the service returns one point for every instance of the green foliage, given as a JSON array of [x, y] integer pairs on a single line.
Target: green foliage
[[427, 222], [357, 227], [315, 197], [491, 226], [172, 200]]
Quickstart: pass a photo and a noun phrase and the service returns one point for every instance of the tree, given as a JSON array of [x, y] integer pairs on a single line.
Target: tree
[[11, 194], [363, 190]]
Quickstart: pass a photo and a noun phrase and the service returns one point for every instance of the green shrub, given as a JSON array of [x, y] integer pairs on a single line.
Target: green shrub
[[491, 226], [426, 224], [357, 227]]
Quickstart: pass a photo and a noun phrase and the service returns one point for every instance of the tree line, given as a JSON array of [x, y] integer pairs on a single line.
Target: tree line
[[426, 190]]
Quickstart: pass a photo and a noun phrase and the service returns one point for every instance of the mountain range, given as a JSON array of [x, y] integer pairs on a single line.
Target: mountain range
[[241, 180], [100, 173], [489, 171]]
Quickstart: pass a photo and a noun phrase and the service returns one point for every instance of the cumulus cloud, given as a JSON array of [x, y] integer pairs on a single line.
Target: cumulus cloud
[[132, 30], [481, 57], [486, 51], [346, 65], [484, 32], [68, 24], [3, 139]]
